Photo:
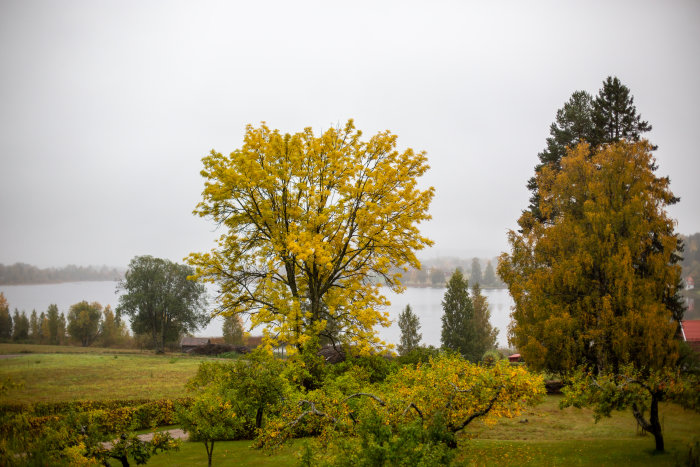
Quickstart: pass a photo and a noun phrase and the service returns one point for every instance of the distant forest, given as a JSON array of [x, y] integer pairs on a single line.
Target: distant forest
[[691, 256], [20, 274]]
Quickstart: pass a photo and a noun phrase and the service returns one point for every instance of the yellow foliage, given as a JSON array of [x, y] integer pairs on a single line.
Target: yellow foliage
[[309, 222], [596, 281]]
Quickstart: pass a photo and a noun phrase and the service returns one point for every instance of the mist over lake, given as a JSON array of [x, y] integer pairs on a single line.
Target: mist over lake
[[425, 302]]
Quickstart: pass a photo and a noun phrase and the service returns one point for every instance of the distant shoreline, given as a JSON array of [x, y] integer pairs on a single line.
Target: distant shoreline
[[57, 282]]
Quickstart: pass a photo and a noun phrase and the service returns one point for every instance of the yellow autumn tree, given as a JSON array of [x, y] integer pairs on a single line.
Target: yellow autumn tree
[[310, 224], [595, 282]]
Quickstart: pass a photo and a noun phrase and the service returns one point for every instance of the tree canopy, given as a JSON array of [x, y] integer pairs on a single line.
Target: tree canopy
[[310, 222], [161, 300], [84, 322], [596, 282], [610, 117]]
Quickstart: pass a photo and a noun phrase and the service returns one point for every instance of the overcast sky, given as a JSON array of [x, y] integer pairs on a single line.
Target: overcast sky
[[107, 107]]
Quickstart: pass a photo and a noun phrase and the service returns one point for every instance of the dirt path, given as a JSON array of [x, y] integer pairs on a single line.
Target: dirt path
[[176, 434]]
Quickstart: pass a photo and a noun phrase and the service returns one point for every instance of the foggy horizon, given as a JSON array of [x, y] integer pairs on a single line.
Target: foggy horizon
[[109, 107]]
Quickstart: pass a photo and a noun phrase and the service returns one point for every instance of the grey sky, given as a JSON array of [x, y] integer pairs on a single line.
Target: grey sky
[[106, 107]]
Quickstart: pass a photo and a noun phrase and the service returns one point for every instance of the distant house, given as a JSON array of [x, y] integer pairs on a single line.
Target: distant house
[[189, 343], [690, 330], [514, 358], [689, 283]]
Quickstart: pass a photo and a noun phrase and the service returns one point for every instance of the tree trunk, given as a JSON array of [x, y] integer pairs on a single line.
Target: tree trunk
[[210, 450], [258, 418], [653, 426]]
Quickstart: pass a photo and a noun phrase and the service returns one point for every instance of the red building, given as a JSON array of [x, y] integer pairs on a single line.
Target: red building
[[691, 333]]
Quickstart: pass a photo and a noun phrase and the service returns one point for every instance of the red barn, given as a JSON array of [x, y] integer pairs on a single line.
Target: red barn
[[691, 333]]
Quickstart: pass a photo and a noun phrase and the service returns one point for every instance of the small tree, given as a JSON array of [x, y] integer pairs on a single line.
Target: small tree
[[489, 275], [112, 330], [53, 323], [34, 327], [5, 318], [233, 330], [409, 325], [458, 312], [476, 271], [84, 322], [484, 334], [640, 390], [20, 329], [210, 418]]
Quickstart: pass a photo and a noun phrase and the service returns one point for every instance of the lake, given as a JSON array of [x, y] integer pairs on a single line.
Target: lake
[[425, 302]]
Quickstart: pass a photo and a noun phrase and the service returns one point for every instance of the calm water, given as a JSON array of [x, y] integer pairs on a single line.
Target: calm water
[[425, 302]]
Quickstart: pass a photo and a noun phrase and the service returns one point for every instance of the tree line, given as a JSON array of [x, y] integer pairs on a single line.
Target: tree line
[[436, 273], [21, 273]]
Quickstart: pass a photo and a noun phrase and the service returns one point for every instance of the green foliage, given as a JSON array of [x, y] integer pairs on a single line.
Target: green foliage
[[484, 335], [418, 355], [642, 390], [211, 418], [379, 444], [409, 325], [20, 327], [160, 299], [84, 322], [491, 357], [457, 313], [465, 323], [5, 319], [371, 369]]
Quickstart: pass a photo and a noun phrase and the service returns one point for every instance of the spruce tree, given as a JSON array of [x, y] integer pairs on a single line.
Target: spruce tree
[[52, 316], [409, 325], [20, 330], [484, 334], [5, 318], [614, 115], [489, 275], [476, 271], [458, 313]]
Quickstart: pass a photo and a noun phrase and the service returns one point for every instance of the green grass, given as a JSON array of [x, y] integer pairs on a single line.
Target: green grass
[[10, 349], [550, 436], [226, 453], [65, 377]]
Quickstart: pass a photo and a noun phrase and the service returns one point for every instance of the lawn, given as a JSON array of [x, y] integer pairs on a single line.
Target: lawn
[[96, 376], [543, 435]]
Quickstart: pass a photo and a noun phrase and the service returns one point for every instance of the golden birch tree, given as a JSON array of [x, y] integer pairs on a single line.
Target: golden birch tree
[[595, 282], [309, 225]]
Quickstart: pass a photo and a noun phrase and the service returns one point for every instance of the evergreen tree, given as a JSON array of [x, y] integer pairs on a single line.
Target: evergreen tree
[[53, 323], [20, 331], [42, 329], [489, 275], [61, 335], [458, 312], [34, 327], [484, 334], [233, 330], [5, 318], [476, 271], [614, 115], [409, 325], [608, 118]]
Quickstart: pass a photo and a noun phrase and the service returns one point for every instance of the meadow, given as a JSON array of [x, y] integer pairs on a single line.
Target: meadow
[[542, 435]]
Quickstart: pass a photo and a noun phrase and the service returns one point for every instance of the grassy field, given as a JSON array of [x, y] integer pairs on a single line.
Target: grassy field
[[543, 435], [96, 376], [14, 349]]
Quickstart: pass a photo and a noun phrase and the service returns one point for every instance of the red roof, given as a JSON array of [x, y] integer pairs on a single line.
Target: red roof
[[691, 330]]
